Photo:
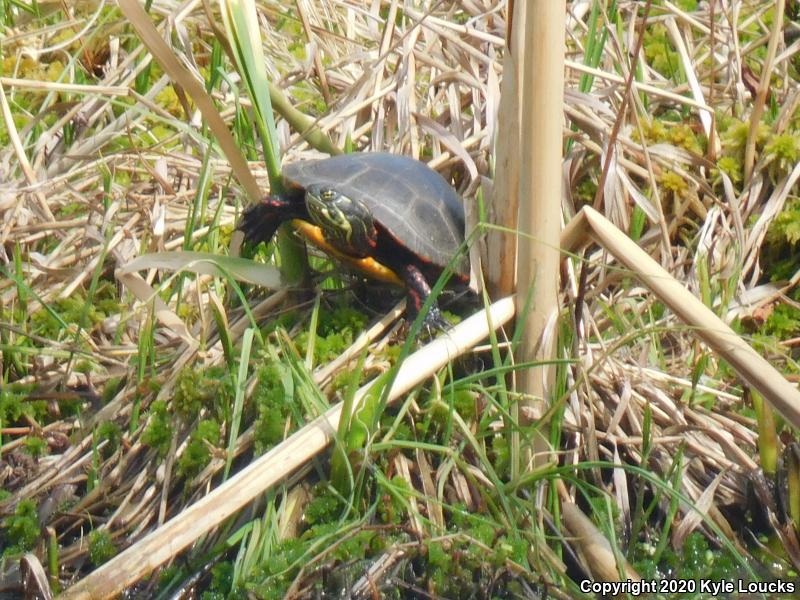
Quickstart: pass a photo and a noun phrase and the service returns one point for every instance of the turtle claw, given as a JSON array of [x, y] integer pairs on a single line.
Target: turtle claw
[[427, 332], [418, 291], [434, 322]]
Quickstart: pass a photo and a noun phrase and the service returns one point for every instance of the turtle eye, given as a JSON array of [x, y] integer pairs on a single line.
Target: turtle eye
[[327, 195]]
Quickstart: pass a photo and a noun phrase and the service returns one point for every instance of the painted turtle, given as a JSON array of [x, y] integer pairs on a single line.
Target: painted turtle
[[392, 217]]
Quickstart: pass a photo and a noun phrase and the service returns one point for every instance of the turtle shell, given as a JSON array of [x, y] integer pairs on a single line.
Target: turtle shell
[[411, 201]]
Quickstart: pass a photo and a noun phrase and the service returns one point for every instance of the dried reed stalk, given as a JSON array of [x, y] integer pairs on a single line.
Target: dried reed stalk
[[540, 194], [589, 225]]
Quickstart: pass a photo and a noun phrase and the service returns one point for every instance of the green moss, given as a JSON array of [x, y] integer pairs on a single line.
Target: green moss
[[159, 431], [502, 453], [272, 404], [784, 322], [170, 574], [308, 99], [72, 209], [77, 309], [732, 167], [84, 366], [276, 573], [21, 529], [197, 454], [696, 561], [660, 54], [167, 98], [439, 415], [101, 547], [654, 130], [111, 388], [683, 136], [12, 406], [456, 564], [325, 506], [222, 575], [674, 182], [355, 547], [198, 388], [112, 433], [782, 153], [735, 133], [337, 330], [344, 378], [35, 446]]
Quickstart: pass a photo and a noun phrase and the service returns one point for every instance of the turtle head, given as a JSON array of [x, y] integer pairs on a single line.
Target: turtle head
[[347, 224]]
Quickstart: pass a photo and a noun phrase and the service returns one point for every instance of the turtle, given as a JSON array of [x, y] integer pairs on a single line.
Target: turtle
[[390, 216]]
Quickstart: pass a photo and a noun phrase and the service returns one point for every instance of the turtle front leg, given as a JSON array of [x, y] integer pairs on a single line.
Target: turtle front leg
[[418, 292], [260, 221]]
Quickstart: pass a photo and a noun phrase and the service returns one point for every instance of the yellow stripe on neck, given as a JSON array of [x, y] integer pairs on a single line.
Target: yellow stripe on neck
[[367, 265]]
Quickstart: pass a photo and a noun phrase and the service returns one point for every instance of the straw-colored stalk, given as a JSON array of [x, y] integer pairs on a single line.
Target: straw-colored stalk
[[540, 194], [501, 244], [589, 225], [594, 549], [177, 534]]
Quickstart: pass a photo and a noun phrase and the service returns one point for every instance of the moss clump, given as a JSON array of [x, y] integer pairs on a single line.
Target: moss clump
[[73, 209], [110, 432], [283, 564], [168, 99], [35, 446], [198, 451], [273, 405], [732, 167], [786, 226], [734, 134], [660, 54], [199, 388], [782, 153], [21, 529], [673, 182], [77, 310], [337, 330], [681, 134], [159, 431], [586, 190], [13, 406], [325, 507], [221, 586], [101, 547], [696, 561], [783, 322], [471, 558]]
